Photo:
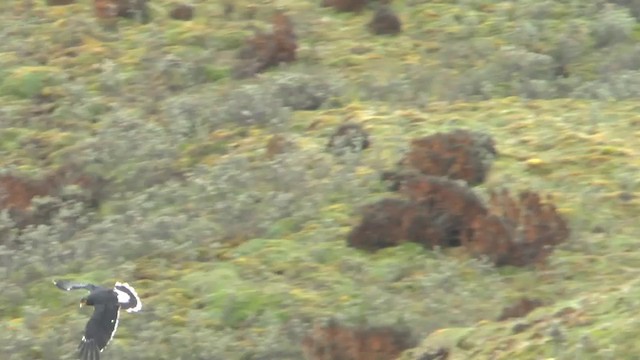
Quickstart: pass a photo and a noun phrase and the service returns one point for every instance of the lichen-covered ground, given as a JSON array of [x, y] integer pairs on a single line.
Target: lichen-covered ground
[[236, 254]]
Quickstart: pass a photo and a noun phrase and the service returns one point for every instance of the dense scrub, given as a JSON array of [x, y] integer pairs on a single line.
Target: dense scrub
[[220, 163]]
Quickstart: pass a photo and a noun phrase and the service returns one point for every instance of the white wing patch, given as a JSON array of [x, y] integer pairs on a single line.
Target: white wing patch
[[123, 297], [127, 297]]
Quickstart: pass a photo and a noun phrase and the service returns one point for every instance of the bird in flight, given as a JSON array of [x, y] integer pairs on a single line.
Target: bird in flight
[[103, 324]]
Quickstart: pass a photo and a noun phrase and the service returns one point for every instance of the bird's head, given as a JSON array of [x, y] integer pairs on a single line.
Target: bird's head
[[85, 301]]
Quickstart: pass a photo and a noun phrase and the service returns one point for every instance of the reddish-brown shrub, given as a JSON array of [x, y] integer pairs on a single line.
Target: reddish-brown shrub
[[442, 212], [449, 207], [182, 12], [16, 192], [345, 5], [459, 154], [285, 38], [265, 50], [519, 309], [391, 222], [278, 144], [516, 233], [381, 225], [394, 179], [110, 9], [385, 22], [436, 214], [453, 196], [425, 224], [348, 137], [336, 342], [106, 9]]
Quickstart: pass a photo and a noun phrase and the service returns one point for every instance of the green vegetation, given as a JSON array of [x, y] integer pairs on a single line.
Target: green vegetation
[[236, 254]]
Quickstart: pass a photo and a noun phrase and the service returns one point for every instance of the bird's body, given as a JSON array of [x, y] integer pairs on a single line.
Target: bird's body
[[103, 324]]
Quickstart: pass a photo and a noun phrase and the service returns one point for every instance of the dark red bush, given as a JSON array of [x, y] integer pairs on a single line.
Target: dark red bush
[[519, 309], [458, 155], [345, 5], [265, 50], [517, 233], [16, 192], [382, 225], [109, 10], [336, 342], [435, 213], [184, 12]]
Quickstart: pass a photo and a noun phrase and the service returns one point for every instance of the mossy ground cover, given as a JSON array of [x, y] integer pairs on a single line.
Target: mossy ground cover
[[237, 256]]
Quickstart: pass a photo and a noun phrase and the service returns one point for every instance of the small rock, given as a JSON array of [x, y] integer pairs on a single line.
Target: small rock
[[520, 327], [348, 137], [228, 8], [385, 22], [277, 145], [626, 196], [60, 2], [345, 5], [435, 354]]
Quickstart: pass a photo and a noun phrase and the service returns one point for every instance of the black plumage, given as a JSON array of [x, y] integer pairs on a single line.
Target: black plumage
[[103, 324]]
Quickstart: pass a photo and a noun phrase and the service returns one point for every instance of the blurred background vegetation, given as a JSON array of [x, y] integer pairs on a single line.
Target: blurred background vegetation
[[148, 151]]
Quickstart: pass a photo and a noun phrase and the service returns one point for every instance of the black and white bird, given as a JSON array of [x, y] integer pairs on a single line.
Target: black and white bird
[[103, 324]]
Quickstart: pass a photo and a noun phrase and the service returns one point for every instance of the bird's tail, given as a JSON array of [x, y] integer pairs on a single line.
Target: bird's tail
[[88, 350]]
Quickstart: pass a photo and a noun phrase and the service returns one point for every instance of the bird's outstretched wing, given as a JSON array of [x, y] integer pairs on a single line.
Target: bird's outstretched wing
[[72, 285], [99, 331], [128, 298]]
